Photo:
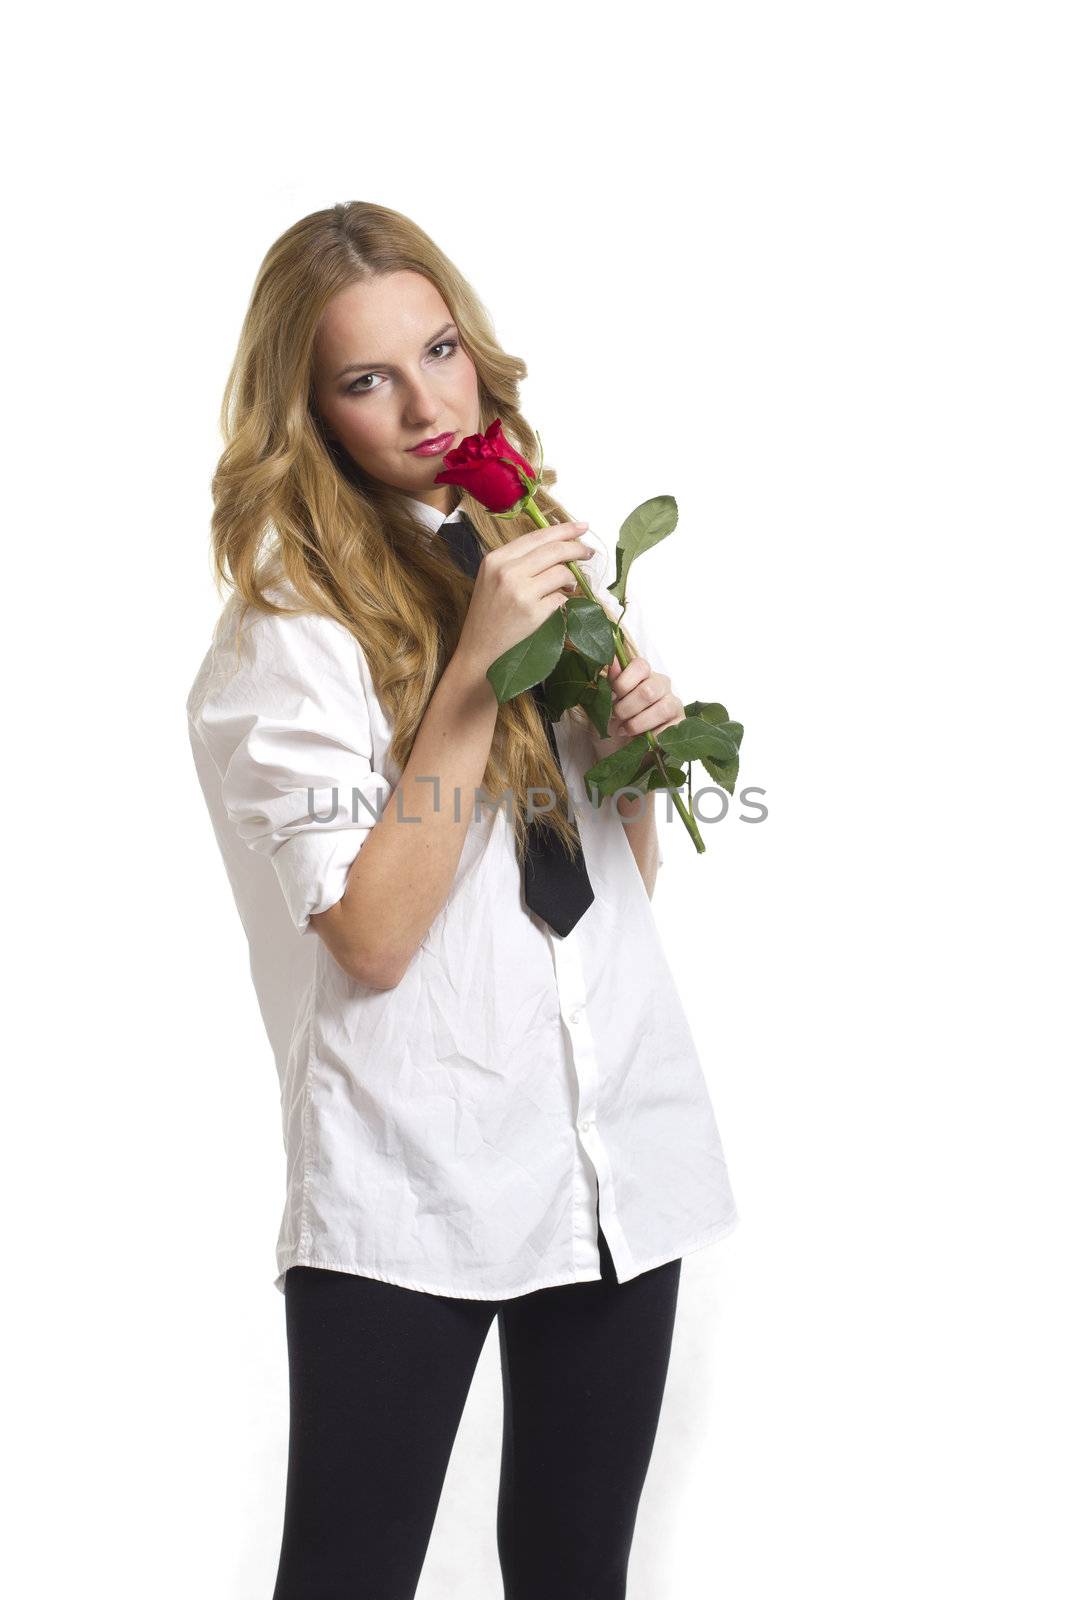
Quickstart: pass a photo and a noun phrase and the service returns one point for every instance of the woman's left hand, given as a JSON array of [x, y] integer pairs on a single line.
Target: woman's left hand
[[644, 702]]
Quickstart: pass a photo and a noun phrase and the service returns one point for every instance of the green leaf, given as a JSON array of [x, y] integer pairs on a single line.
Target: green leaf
[[724, 773], [531, 660], [722, 770], [694, 738], [675, 777], [598, 700], [590, 630], [641, 781], [616, 770], [712, 712], [646, 525], [567, 682]]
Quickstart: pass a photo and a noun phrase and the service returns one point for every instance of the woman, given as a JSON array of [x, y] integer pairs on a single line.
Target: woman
[[490, 1110]]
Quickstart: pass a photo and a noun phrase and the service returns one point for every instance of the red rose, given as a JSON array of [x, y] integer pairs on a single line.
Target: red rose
[[487, 467]]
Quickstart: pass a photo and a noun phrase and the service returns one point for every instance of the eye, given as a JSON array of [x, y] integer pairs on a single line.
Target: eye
[[451, 345]]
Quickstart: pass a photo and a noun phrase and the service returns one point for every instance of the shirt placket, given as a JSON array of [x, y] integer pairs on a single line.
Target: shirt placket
[[570, 977]]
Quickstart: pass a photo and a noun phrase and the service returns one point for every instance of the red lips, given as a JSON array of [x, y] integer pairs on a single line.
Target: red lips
[[432, 445]]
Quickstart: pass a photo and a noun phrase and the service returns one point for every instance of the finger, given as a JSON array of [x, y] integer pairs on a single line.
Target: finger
[[656, 717], [639, 711], [625, 679]]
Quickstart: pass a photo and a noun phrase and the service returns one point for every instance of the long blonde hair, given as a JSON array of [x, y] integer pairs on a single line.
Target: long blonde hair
[[289, 503]]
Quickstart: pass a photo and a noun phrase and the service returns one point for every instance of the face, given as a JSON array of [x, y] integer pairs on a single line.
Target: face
[[389, 372]]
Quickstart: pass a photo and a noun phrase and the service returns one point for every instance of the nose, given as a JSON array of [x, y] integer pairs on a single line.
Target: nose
[[421, 408]]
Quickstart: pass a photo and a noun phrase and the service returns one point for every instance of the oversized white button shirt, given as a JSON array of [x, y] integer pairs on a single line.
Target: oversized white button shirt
[[452, 1134]]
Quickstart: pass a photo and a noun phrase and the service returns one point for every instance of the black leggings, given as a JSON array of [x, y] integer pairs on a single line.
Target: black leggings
[[378, 1378]]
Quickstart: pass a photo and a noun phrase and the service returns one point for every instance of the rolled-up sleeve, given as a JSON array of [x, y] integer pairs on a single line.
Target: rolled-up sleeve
[[288, 726]]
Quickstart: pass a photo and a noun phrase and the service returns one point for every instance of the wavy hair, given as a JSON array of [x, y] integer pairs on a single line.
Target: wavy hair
[[291, 504]]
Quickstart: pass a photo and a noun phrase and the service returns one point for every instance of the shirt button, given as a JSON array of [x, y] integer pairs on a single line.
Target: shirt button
[[576, 1014], [584, 1126]]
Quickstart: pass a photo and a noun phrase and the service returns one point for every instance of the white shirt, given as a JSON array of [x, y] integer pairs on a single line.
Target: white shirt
[[449, 1134]]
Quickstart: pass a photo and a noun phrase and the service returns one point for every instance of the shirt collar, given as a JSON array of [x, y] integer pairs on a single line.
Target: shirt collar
[[428, 516]]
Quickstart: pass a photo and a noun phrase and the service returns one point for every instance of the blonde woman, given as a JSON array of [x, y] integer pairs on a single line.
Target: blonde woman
[[492, 1105]]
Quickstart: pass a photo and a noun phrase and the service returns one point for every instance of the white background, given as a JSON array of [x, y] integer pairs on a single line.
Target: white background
[[803, 267]]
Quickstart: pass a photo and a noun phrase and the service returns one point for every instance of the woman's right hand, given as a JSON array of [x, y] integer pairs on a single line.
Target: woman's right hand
[[517, 587]]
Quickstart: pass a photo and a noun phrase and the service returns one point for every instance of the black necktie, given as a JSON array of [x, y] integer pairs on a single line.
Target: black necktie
[[556, 887]]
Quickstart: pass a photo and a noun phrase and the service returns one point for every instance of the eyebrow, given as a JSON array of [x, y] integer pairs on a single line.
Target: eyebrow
[[366, 366]]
